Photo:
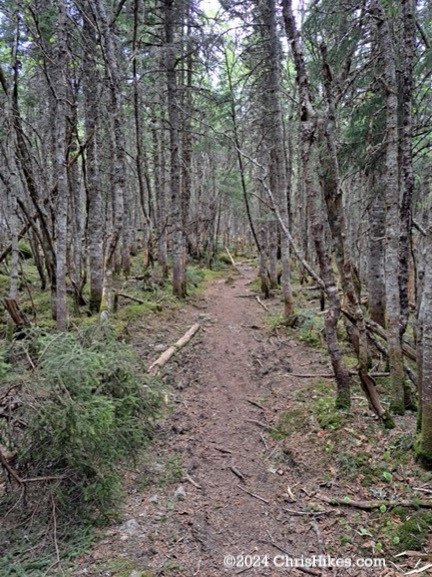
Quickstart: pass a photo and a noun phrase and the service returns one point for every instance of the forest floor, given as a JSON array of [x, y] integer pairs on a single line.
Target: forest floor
[[249, 452]]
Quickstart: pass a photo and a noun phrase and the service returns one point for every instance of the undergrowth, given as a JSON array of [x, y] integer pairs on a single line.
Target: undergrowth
[[82, 411]]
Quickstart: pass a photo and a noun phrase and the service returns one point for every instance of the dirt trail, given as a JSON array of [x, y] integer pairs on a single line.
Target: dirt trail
[[189, 523]]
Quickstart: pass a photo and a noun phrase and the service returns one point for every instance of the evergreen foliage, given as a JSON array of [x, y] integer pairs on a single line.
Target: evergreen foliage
[[86, 410]]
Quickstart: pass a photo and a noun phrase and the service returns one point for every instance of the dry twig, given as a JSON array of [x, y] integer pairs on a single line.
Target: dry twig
[[253, 495]]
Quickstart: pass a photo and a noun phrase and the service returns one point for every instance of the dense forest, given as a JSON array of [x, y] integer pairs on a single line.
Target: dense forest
[[146, 140]]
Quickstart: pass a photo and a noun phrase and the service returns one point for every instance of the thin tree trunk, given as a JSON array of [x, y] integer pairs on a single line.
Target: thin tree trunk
[[178, 248], [275, 130], [117, 127], [407, 174], [391, 185], [61, 166], [376, 279], [308, 128], [424, 353], [95, 216], [338, 227]]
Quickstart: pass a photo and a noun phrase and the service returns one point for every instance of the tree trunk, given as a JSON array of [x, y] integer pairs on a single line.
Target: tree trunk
[[391, 186], [278, 181], [308, 128], [117, 127], [61, 167], [376, 279], [424, 353], [407, 174], [95, 215], [178, 248]]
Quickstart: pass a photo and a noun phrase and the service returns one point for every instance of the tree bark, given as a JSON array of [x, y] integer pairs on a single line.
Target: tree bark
[[406, 139], [391, 186], [424, 353], [308, 128], [61, 167], [95, 215], [178, 244], [277, 171], [376, 278]]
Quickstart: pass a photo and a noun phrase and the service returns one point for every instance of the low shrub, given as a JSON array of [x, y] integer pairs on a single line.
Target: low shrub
[[83, 410]]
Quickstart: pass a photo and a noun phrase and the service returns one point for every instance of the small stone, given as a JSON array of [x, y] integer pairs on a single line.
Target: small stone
[[154, 499], [131, 527], [272, 470], [159, 348], [135, 574], [180, 493]]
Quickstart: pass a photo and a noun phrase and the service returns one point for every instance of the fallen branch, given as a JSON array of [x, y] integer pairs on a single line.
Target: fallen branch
[[223, 450], [312, 513], [131, 298], [312, 375], [4, 461], [166, 355], [416, 554], [262, 425], [236, 472], [376, 328], [259, 301], [422, 489], [57, 550], [230, 257], [252, 402], [419, 570], [273, 451], [370, 505], [320, 539], [192, 482], [253, 495]]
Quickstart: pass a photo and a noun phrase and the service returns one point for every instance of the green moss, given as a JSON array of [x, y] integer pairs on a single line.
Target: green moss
[[25, 251], [343, 400], [423, 454], [397, 407], [388, 421], [401, 512], [124, 567], [355, 464], [290, 422], [412, 533], [327, 414]]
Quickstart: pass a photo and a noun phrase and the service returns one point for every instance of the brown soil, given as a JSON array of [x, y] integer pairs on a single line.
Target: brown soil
[[218, 480]]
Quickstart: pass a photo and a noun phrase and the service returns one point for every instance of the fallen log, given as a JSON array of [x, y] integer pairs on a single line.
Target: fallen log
[[162, 360]]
